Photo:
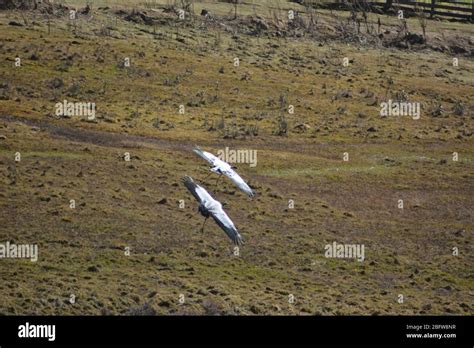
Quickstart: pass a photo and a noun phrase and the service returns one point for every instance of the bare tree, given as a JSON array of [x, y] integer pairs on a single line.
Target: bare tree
[[236, 4], [422, 20]]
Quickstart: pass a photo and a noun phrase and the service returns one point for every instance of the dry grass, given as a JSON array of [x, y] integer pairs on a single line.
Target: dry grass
[[82, 250]]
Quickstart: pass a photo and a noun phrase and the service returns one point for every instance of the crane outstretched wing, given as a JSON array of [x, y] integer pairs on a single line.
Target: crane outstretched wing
[[201, 195], [206, 155], [239, 182], [215, 209], [224, 222], [225, 169]]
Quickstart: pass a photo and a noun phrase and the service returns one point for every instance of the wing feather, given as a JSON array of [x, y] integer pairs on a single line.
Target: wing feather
[[224, 222], [206, 155], [201, 195], [226, 169], [215, 209], [239, 182]]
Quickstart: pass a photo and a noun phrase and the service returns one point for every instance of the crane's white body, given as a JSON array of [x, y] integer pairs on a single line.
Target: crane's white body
[[220, 167], [208, 206]]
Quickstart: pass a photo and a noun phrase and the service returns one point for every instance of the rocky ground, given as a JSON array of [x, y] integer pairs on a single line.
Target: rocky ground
[[129, 247]]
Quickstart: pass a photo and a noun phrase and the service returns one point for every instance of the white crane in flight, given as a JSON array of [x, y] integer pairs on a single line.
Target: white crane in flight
[[208, 206], [221, 167]]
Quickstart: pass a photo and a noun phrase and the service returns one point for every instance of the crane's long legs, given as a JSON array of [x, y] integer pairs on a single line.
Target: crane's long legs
[[207, 175], [217, 181], [202, 228]]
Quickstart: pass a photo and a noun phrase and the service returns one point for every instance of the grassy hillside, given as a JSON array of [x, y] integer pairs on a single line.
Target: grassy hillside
[[134, 205]]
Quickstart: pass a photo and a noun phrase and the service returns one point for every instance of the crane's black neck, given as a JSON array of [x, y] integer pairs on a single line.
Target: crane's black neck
[[204, 212]]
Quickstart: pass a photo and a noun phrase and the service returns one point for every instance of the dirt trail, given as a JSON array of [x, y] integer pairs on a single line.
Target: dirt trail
[[112, 139], [95, 137], [124, 140]]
